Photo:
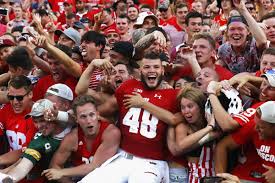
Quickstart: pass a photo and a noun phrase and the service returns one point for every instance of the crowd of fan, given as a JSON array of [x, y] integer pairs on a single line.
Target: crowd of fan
[[138, 91]]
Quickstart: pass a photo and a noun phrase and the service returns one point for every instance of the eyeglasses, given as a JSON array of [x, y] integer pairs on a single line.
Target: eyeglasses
[[17, 97], [162, 9]]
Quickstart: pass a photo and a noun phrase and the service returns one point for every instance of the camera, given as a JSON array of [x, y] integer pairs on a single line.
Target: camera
[[4, 11], [213, 179]]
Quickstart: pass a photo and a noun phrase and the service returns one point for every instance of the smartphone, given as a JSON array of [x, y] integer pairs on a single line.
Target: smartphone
[[4, 11], [213, 179]]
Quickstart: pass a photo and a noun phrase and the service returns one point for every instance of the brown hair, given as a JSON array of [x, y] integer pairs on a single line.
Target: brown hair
[[207, 37]]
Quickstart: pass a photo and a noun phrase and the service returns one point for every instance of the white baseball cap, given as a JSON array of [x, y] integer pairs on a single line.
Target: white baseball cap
[[270, 75], [268, 111], [143, 15], [39, 107], [61, 90]]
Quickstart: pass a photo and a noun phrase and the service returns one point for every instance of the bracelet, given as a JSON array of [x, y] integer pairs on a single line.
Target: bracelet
[[62, 116]]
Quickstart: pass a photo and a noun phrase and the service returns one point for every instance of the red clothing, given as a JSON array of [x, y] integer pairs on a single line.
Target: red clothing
[[57, 5], [221, 21], [82, 155], [45, 82], [143, 134], [19, 130], [223, 73], [265, 148], [247, 116], [173, 21]]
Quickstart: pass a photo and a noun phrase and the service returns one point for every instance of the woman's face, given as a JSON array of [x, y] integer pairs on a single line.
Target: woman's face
[[190, 110]]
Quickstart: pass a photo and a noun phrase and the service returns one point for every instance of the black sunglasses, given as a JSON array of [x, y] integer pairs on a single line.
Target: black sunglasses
[[163, 9], [17, 97]]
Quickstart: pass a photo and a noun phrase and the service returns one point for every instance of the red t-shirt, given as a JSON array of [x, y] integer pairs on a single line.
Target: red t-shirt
[[143, 134], [19, 130], [223, 73], [173, 21], [58, 5], [265, 148], [83, 155], [45, 82]]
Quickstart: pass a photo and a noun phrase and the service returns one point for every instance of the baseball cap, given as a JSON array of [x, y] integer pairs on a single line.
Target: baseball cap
[[68, 2], [61, 90], [6, 42], [39, 107], [237, 19], [70, 33], [78, 25], [270, 75], [144, 15], [268, 111], [111, 30], [163, 4]]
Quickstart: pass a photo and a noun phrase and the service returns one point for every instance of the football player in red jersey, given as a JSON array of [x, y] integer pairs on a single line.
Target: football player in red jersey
[[143, 144], [19, 131], [89, 145]]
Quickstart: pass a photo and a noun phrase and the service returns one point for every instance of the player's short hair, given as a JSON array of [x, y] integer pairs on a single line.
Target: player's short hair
[[181, 5], [151, 55], [20, 81], [192, 14], [20, 58], [82, 100], [207, 37]]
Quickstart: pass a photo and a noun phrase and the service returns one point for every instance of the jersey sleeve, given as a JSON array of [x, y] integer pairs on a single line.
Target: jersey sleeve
[[244, 134], [246, 116], [35, 149]]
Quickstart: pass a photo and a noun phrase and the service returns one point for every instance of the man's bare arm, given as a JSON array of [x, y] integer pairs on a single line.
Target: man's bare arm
[[10, 157]]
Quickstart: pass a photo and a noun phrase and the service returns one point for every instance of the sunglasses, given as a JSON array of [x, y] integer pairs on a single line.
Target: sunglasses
[[17, 97], [162, 9]]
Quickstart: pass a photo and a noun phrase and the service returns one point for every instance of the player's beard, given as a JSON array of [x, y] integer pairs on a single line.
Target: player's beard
[[142, 78]]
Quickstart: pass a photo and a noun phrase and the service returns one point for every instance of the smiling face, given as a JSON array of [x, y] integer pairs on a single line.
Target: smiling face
[[44, 127], [151, 73], [190, 110], [237, 33], [20, 105], [132, 13], [265, 130], [267, 91], [87, 118]]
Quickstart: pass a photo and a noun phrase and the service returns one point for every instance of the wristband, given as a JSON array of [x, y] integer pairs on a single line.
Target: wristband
[[62, 116]]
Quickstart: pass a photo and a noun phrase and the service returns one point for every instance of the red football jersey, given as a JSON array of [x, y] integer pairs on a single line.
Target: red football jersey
[[143, 134], [248, 115], [19, 130], [82, 155]]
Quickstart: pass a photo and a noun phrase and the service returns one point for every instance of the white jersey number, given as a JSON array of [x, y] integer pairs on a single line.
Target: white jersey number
[[16, 140], [148, 125]]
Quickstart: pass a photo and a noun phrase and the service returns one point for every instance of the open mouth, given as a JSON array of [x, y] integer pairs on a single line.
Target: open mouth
[[237, 37], [90, 127], [84, 52], [152, 78], [118, 82]]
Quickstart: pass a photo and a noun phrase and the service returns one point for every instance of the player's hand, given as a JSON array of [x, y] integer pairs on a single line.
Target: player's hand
[[103, 64], [134, 100], [226, 84], [241, 80], [165, 85], [269, 175], [229, 178], [53, 174], [214, 87], [41, 41], [51, 114]]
